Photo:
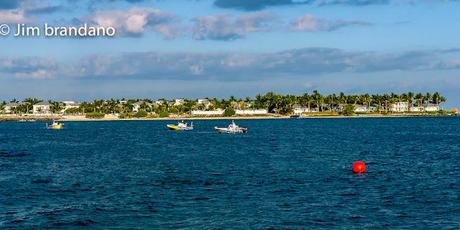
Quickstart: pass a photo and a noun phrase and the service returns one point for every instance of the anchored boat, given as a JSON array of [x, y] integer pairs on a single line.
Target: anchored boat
[[55, 125], [232, 128], [180, 126]]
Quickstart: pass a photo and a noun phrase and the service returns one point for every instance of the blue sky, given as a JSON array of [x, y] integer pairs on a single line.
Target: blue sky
[[218, 48]]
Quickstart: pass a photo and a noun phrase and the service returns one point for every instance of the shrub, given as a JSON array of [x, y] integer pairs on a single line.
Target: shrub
[[72, 111], [141, 114], [349, 110], [229, 111], [164, 114], [95, 115]]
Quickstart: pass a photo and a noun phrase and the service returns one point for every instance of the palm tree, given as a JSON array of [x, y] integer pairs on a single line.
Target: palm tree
[[427, 98], [270, 101], [366, 100], [55, 107], [2, 106], [318, 100], [419, 99], [443, 100], [29, 103], [409, 98], [127, 108], [98, 105], [436, 98]]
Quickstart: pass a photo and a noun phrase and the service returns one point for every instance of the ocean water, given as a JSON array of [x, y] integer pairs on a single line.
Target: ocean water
[[283, 174]]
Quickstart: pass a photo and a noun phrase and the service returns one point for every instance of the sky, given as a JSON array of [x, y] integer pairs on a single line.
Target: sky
[[219, 48]]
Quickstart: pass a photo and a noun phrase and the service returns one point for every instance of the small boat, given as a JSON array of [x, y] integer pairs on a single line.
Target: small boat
[[232, 128], [180, 126], [55, 125]]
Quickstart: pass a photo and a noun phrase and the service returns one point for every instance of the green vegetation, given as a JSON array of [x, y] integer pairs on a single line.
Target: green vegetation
[[95, 115], [140, 114], [332, 104], [164, 114], [229, 111], [72, 111], [349, 110], [56, 107], [28, 104]]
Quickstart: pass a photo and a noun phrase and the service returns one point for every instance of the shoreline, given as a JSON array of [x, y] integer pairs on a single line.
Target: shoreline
[[75, 118]]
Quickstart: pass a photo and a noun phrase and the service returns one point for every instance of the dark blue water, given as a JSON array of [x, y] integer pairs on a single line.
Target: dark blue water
[[282, 174]]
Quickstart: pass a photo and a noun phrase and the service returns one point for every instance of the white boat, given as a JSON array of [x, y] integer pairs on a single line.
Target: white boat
[[180, 126], [232, 128]]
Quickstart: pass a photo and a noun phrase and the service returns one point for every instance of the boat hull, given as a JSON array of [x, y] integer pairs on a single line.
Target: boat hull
[[227, 130], [178, 128], [60, 126]]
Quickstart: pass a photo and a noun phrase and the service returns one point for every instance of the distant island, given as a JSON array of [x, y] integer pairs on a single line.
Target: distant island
[[270, 105]]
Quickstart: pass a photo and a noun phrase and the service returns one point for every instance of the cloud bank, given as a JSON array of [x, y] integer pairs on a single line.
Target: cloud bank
[[310, 23], [230, 66], [135, 21], [226, 27]]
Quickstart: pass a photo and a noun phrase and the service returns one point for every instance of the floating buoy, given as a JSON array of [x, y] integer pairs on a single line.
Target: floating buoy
[[359, 167]]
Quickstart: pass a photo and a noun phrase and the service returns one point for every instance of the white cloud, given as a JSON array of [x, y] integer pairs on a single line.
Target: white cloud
[[310, 23], [12, 16], [227, 27], [135, 21]]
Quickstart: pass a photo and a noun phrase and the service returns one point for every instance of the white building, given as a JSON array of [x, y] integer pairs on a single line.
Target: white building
[[251, 112], [179, 101], [300, 110], [160, 102], [431, 108], [205, 102], [41, 108], [10, 107], [361, 109], [417, 109], [399, 107], [70, 105], [137, 106], [217, 112]]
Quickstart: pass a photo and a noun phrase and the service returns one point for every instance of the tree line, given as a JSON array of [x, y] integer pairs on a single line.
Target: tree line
[[272, 102]]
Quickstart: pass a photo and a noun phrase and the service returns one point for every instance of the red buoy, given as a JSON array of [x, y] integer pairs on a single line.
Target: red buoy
[[359, 167]]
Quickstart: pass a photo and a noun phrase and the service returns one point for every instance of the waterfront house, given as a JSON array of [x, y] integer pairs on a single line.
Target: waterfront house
[[9, 108], [160, 102], [204, 102], [218, 112], [431, 108], [141, 105], [399, 107], [70, 105], [41, 108], [417, 109], [251, 112], [361, 109], [299, 110], [137, 106], [179, 101]]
